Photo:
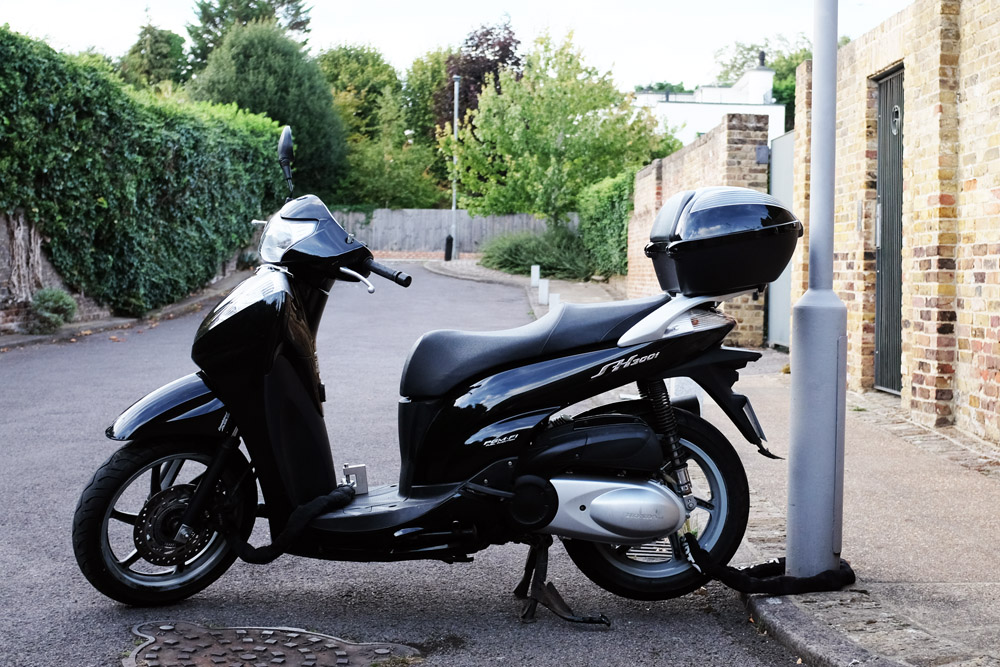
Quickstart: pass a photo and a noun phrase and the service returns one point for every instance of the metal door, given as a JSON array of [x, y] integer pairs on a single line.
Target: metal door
[[889, 235]]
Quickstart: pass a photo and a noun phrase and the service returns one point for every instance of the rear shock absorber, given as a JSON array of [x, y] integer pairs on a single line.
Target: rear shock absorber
[[665, 424]]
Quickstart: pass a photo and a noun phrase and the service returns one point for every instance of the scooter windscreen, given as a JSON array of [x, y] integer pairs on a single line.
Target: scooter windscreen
[[304, 230], [281, 234]]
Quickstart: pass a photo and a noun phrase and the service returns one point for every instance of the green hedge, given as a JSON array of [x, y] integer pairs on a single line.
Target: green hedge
[[605, 209], [138, 199]]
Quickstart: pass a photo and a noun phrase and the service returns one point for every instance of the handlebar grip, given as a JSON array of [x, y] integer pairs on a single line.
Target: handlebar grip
[[398, 277]]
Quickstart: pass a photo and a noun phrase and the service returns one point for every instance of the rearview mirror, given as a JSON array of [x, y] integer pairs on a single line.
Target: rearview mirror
[[286, 154]]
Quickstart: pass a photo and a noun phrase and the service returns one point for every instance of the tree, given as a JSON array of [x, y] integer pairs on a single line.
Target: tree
[[259, 68], [389, 170], [485, 52], [427, 75], [546, 134], [663, 87], [158, 55], [216, 17], [361, 73]]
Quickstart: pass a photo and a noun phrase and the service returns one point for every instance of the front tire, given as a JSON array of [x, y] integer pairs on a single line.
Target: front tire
[[127, 516], [660, 570]]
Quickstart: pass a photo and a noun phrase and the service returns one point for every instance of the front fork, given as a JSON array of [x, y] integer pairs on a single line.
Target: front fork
[[665, 423], [190, 523]]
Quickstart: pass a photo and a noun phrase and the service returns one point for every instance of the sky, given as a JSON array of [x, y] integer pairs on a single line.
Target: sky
[[638, 42]]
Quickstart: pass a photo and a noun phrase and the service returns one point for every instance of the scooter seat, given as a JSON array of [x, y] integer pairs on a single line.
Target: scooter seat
[[441, 359]]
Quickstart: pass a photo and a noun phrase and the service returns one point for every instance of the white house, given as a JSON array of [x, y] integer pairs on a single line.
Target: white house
[[689, 115]]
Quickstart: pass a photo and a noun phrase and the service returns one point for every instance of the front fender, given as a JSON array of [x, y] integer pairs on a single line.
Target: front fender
[[186, 406]]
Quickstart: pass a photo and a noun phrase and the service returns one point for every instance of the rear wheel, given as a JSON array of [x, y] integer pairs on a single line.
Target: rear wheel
[[127, 517], [660, 570]]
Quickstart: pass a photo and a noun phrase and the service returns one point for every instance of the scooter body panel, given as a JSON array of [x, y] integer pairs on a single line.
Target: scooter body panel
[[498, 416], [258, 354]]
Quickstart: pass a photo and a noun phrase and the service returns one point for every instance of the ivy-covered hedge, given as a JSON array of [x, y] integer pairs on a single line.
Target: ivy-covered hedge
[[138, 199], [605, 209]]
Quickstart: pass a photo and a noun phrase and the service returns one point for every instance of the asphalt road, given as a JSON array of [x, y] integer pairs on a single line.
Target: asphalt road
[[57, 400]]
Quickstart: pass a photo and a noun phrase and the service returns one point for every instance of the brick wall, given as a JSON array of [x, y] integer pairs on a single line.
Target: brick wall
[[725, 156], [977, 217], [951, 201], [801, 175]]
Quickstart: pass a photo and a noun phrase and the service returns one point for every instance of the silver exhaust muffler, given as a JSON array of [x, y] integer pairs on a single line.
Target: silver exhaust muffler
[[615, 511]]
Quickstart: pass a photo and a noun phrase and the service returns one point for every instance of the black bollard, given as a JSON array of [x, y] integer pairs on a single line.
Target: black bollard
[[449, 243]]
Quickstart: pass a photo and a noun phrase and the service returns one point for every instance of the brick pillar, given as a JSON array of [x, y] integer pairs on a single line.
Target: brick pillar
[[744, 133], [931, 232], [801, 171]]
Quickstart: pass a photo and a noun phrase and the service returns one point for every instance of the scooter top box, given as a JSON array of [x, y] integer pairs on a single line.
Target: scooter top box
[[721, 240]]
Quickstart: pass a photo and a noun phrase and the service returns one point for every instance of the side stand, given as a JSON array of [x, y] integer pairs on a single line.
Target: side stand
[[534, 589]]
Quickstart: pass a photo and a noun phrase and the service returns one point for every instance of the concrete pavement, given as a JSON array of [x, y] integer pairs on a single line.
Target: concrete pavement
[[920, 524]]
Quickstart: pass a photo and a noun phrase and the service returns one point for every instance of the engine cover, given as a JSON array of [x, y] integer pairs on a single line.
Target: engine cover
[[615, 511]]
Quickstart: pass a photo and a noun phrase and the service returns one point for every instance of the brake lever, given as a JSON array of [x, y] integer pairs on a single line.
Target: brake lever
[[355, 274]]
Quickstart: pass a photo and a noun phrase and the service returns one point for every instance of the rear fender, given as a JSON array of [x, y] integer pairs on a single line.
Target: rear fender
[[186, 406], [716, 372]]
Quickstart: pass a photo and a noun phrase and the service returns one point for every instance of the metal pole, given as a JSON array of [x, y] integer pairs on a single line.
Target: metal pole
[[819, 343], [454, 175]]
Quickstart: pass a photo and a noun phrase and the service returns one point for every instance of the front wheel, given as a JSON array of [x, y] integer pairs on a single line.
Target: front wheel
[[660, 570], [127, 517]]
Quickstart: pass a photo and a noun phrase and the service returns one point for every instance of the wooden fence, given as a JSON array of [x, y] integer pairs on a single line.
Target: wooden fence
[[425, 230]]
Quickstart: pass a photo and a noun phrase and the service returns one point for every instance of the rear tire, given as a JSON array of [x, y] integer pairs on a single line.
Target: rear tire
[[660, 570], [127, 516]]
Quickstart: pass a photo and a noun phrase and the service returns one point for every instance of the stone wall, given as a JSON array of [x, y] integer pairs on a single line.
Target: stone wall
[[951, 199], [725, 156], [24, 270]]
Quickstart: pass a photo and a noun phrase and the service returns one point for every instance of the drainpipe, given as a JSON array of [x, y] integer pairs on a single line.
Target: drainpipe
[[819, 343]]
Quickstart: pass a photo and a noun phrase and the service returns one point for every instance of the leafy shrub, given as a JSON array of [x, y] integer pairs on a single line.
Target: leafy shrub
[[605, 209], [139, 199], [559, 253], [51, 307]]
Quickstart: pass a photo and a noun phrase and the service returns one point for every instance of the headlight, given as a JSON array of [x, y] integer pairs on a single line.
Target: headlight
[[281, 234]]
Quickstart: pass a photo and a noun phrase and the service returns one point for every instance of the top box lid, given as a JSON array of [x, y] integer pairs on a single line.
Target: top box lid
[[693, 215]]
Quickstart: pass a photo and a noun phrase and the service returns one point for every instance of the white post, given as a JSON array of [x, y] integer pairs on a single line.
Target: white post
[[536, 274], [543, 291], [553, 300], [819, 343]]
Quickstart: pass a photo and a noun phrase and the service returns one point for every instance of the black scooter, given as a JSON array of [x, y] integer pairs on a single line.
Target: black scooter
[[487, 455]]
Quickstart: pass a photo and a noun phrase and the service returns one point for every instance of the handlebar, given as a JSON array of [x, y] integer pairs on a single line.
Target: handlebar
[[398, 277]]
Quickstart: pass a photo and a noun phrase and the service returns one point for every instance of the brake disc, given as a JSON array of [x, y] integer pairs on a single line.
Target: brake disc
[[157, 525]]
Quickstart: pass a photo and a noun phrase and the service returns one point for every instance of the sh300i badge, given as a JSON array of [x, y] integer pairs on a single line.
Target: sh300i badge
[[616, 366]]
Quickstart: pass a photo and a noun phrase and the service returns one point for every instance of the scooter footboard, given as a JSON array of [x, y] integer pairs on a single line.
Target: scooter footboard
[[186, 406]]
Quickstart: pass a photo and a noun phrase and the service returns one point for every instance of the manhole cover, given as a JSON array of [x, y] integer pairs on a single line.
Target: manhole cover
[[180, 644]]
